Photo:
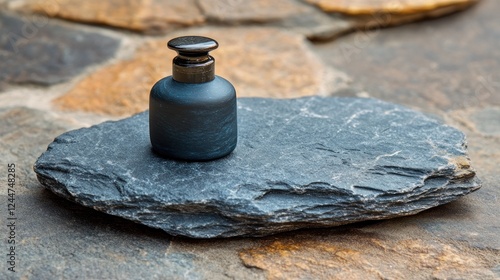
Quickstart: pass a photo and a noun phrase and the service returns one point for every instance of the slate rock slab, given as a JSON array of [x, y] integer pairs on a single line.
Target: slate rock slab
[[308, 162]]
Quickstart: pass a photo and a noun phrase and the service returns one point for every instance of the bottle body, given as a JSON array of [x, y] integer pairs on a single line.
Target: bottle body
[[193, 121]]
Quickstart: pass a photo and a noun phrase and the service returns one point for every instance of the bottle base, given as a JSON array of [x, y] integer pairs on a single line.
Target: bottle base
[[191, 157]]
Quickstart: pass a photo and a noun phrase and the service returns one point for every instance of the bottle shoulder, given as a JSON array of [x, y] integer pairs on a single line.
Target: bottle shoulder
[[217, 90]]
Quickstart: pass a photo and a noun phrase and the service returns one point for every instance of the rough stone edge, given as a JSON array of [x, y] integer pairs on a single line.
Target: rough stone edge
[[464, 178]]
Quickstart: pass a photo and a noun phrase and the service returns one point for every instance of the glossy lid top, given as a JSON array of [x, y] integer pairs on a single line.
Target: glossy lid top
[[193, 64], [193, 44]]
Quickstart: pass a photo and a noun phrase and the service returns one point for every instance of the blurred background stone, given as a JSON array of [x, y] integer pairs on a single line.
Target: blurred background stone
[[241, 11], [370, 7], [149, 16], [370, 14], [293, 15], [487, 121], [24, 134], [34, 50], [277, 64], [451, 64]]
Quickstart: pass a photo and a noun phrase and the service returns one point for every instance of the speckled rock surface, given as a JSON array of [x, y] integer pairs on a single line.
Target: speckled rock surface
[[308, 162]]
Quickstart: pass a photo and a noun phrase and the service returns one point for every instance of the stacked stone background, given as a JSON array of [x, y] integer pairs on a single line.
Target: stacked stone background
[[67, 65]]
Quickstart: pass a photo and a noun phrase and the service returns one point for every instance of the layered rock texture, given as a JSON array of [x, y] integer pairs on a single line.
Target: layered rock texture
[[309, 162]]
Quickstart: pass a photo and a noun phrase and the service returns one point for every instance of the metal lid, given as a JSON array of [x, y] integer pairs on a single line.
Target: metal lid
[[193, 64]]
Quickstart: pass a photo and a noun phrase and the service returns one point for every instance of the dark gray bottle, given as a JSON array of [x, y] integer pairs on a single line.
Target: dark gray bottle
[[192, 114]]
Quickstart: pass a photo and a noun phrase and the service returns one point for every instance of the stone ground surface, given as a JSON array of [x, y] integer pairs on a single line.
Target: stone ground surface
[[448, 67]]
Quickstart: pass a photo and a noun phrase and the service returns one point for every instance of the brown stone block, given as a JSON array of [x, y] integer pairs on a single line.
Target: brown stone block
[[150, 16], [385, 13], [401, 7]]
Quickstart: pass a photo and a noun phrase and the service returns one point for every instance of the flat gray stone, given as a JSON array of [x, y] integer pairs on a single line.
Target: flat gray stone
[[309, 162], [37, 50], [487, 120], [24, 134], [317, 26]]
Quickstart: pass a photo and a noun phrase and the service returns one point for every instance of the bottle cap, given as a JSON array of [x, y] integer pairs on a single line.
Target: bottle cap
[[193, 64]]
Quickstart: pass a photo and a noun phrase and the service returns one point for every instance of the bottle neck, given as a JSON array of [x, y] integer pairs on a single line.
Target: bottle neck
[[193, 69]]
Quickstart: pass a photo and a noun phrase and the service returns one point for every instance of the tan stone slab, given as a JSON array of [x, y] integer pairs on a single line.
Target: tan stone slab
[[358, 254], [370, 14], [368, 7], [139, 15], [263, 62]]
